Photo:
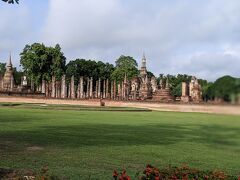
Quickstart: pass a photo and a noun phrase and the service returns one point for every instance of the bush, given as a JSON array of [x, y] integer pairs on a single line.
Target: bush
[[175, 173]]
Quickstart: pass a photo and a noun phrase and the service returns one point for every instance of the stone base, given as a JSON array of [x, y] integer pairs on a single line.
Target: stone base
[[185, 99], [22, 94], [144, 95], [163, 95]]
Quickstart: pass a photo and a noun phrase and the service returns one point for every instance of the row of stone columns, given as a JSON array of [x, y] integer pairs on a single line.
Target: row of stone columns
[[85, 89]]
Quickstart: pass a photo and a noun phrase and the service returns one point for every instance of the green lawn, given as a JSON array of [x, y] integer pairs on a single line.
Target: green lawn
[[77, 144]]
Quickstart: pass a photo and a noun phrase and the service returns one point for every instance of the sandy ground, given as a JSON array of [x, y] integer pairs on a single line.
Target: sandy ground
[[203, 108]]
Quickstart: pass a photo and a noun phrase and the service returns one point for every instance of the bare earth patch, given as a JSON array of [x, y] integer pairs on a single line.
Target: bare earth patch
[[203, 108]]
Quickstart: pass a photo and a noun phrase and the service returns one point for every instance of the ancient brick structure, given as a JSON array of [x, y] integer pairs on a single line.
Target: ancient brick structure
[[191, 91], [7, 83]]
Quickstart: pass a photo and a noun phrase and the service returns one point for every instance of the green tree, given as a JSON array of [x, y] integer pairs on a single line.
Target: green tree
[[41, 62], [175, 82], [89, 68], [125, 65], [224, 87], [17, 76], [177, 90], [2, 68]]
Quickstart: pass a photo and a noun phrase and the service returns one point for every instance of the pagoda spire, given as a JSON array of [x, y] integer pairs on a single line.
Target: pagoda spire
[[144, 61], [143, 70], [9, 65]]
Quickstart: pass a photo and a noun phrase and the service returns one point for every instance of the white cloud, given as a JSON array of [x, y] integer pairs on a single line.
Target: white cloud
[[171, 33]]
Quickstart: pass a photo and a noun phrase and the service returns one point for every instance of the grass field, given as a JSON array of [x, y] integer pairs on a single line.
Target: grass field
[[78, 143]]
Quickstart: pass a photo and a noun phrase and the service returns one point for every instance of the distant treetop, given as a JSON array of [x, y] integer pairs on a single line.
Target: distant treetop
[[11, 1]]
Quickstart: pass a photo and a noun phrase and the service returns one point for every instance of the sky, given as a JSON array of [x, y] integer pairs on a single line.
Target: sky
[[200, 38]]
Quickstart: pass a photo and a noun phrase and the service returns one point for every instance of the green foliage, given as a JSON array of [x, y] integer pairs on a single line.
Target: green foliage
[[2, 68], [89, 68], [224, 88], [17, 76], [177, 91], [41, 62], [175, 82], [125, 65]]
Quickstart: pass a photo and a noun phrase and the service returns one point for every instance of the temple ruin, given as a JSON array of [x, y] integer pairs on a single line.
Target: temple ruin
[[140, 88], [191, 91]]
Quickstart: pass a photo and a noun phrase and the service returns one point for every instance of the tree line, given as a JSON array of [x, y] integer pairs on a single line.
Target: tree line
[[40, 62]]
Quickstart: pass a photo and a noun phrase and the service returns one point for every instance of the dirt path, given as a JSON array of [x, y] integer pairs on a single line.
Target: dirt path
[[216, 109]]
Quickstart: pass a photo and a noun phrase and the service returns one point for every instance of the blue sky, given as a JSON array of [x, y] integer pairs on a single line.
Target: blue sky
[[178, 36]]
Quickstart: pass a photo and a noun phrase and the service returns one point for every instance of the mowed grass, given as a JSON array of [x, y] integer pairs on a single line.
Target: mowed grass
[[79, 144]]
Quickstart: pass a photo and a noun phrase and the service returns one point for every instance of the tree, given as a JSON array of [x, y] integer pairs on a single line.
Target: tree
[[2, 68], [88, 68], [41, 62], [224, 87], [17, 76], [175, 82], [125, 65], [11, 1]]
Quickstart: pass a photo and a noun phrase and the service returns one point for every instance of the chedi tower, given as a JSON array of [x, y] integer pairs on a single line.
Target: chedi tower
[[8, 79]]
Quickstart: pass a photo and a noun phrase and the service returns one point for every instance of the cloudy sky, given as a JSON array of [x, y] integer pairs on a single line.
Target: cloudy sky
[[197, 37]]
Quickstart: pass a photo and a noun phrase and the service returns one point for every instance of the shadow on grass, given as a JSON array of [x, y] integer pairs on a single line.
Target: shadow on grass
[[123, 135], [10, 104]]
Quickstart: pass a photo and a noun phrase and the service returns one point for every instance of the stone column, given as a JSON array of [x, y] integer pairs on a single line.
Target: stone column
[[111, 91], [114, 89], [185, 94], [118, 91], [78, 90], [99, 88], [53, 95], [123, 91], [184, 89], [96, 91], [47, 90], [107, 89], [11, 83], [72, 88], [126, 91], [63, 87], [104, 89], [43, 86], [87, 93], [81, 87], [58, 89], [91, 88]]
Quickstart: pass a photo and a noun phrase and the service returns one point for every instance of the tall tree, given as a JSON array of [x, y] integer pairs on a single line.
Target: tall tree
[[41, 62], [125, 65]]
